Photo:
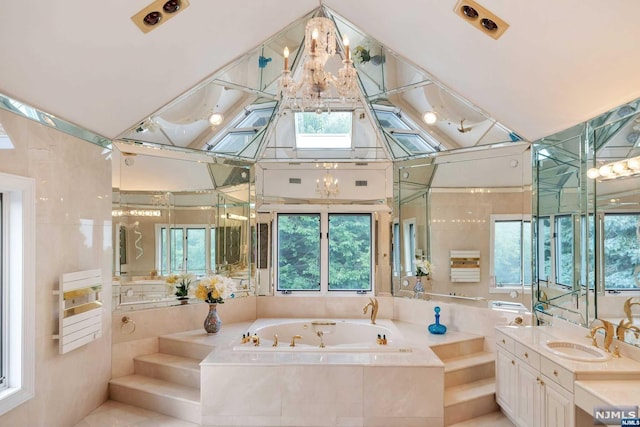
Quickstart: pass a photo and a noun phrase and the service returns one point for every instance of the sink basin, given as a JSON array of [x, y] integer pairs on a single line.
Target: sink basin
[[576, 351]]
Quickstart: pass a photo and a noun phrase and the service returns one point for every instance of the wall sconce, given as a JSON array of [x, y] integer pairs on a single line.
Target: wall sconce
[[620, 169], [236, 217]]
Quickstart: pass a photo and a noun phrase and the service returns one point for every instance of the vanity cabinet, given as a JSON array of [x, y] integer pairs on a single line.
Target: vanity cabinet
[[532, 390]]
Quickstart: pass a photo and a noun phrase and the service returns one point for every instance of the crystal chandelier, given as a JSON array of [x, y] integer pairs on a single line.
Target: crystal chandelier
[[329, 185], [315, 82]]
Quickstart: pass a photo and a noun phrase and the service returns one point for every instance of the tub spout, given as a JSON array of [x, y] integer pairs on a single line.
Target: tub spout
[[321, 334], [373, 302], [293, 340], [275, 340]]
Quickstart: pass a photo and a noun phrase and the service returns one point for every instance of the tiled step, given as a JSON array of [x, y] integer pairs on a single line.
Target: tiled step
[[459, 348], [469, 368], [169, 367], [470, 400], [493, 419], [184, 348], [168, 398]]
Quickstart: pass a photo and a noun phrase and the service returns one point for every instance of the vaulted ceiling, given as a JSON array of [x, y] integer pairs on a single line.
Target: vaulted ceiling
[[558, 63]]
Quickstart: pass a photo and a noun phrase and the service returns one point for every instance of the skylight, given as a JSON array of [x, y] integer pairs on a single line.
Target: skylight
[[324, 131]]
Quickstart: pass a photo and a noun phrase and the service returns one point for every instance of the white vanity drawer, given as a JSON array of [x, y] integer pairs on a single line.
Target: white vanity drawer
[[505, 342], [527, 355], [557, 373]]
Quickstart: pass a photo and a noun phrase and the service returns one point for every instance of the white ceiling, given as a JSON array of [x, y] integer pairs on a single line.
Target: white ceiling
[[559, 63]]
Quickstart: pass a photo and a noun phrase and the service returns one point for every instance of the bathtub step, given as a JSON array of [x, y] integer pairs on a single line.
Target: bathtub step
[[169, 367], [185, 348], [469, 368], [470, 400], [458, 348], [168, 398]]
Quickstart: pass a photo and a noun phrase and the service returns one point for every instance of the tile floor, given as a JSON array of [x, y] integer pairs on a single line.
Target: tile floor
[[115, 414]]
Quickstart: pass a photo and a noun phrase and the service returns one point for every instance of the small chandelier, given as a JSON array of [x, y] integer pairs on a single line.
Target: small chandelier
[[315, 82], [329, 185]]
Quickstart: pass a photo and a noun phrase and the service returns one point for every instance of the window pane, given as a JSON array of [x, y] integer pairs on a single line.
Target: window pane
[[621, 251], [507, 253], [177, 250], [326, 130], [196, 250], [526, 252], [544, 249], [3, 326], [396, 249], [298, 252], [163, 252], [389, 120], [212, 245], [564, 250], [349, 252]]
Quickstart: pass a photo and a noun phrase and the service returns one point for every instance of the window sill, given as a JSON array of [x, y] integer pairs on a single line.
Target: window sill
[[11, 398]]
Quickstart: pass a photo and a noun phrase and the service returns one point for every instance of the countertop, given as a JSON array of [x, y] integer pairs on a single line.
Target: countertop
[[613, 368]]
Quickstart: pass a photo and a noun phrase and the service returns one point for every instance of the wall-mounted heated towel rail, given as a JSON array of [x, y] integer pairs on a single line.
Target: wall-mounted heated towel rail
[[80, 319], [465, 266]]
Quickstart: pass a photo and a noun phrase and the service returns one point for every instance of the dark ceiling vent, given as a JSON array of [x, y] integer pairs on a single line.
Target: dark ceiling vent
[[157, 13], [481, 18], [295, 180], [362, 183]]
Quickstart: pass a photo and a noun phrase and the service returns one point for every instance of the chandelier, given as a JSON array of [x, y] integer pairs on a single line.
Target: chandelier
[[329, 185], [315, 81]]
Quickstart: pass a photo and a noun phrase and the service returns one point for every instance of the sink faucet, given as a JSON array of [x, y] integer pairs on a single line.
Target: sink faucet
[[293, 340], [624, 327], [607, 327], [321, 334], [373, 302], [627, 308]]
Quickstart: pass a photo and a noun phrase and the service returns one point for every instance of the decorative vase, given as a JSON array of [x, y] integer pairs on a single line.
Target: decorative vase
[[418, 288], [437, 328], [212, 322]]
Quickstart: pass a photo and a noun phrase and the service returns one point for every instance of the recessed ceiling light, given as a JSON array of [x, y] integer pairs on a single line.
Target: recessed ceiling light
[[430, 117], [157, 13], [216, 119], [489, 24], [171, 6]]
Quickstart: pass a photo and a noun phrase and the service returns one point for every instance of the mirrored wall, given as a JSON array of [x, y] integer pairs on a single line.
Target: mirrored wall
[[467, 212], [161, 228], [587, 231]]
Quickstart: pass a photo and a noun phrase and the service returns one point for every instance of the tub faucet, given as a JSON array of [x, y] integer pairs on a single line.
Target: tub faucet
[[607, 327], [275, 340], [321, 334], [373, 302], [293, 340]]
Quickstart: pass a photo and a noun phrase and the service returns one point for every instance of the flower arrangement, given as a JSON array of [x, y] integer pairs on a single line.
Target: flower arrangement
[[362, 55], [182, 283], [423, 268], [214, 289]]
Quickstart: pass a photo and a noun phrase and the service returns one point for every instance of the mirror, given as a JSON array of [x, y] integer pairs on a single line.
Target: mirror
[[473, 200], [160, 229], [588, 185]]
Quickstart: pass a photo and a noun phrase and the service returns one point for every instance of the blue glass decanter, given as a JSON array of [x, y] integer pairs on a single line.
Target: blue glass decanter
[[437, 328]]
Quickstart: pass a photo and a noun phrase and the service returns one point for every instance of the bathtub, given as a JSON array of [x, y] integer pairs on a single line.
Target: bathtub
[[338, 335]]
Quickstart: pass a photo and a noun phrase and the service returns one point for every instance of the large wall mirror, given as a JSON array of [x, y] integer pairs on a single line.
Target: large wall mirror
[[470, 203], [588, 222], [177, 216]]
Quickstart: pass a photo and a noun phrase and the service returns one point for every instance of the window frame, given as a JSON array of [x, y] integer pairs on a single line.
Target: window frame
[[18, 286], [209, 235], [522, 219], [324, 254]]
